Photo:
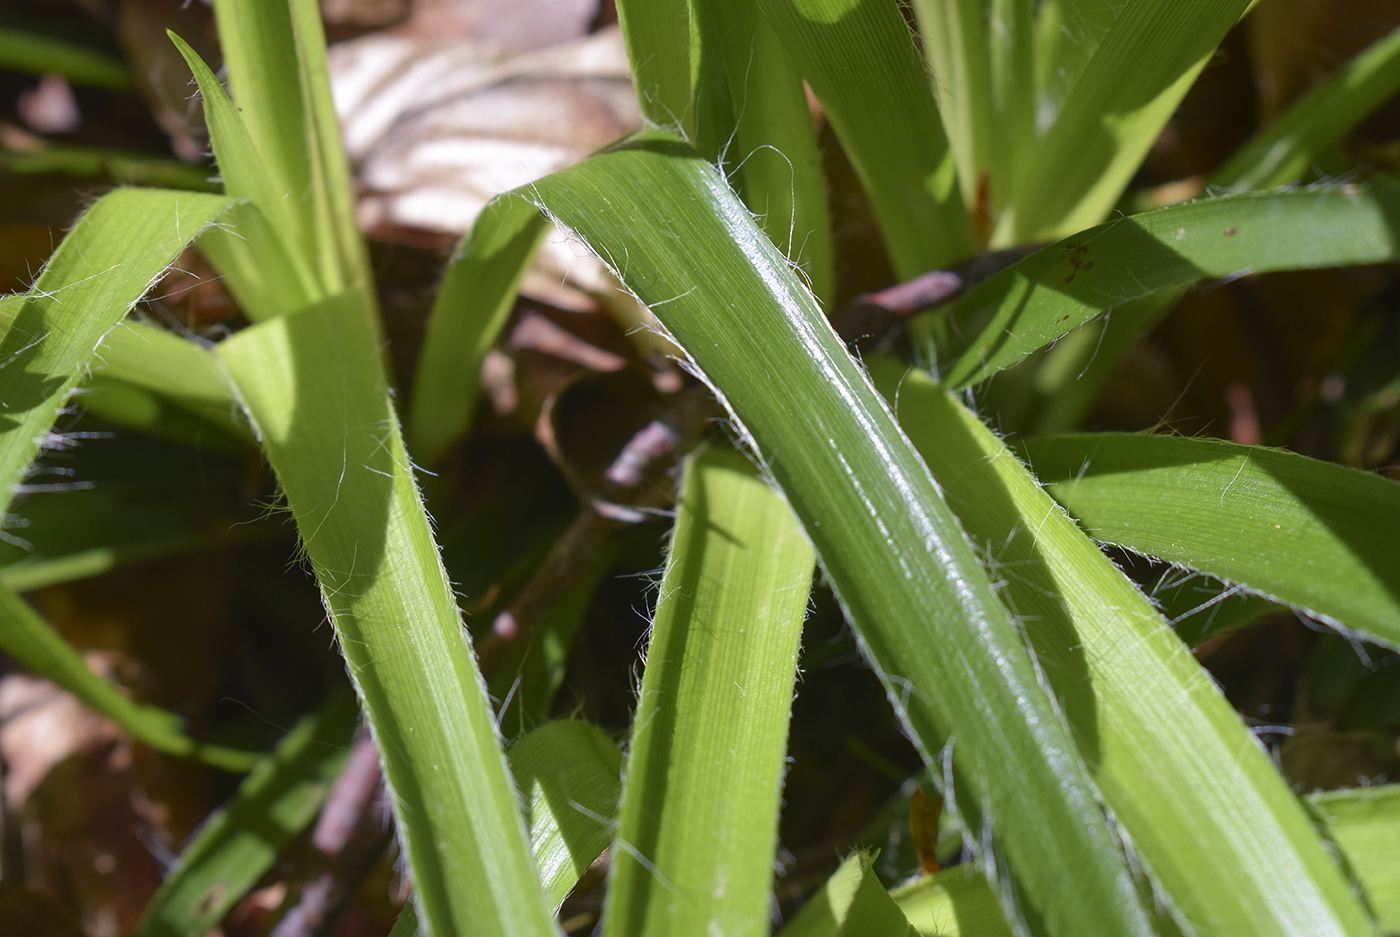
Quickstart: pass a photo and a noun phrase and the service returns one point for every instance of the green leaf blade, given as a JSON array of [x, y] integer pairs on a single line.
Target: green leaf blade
[[1285, 150], [31, 641], [1279, 523], [1060, 287], [471, 307], [569, 774], [860, 61], [885, 539], [99, 271], [697, 828], [1127, 91], [1219, 832], [333, 438]]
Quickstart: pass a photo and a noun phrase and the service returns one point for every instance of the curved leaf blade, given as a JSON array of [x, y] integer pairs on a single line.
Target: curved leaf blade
[[240, 840], [1059, 288], [1126, 93], [569, 774], [861, 63], [1220, 833], [471, 307], [698, 824], [1285, 150], [950, 657], [106, 263], [314, 390], [1277, 522]]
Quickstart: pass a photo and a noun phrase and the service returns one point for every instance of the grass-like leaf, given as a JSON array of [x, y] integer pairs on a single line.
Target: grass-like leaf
[[1127, 91], [657, 35], [982, 57], [31, 641], [697, 828], [853, 902], [860, 61], [1275, 522], [173, 368], [98, 272], [951, 659], [1207, 813], [265, 267], [275, 56], [1365, 823], [772, 151], [472, 304], [1060, 287], [315, 392], [569, 774], [1284, 151], [129, 498], [240, 841]]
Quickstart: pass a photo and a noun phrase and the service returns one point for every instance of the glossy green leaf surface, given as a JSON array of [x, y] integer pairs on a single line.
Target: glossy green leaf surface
[[951, 659], [697, 829], [1060, 287], [240, 841], [1208, 814], [105, 264], [315, 393], [1279, 523]]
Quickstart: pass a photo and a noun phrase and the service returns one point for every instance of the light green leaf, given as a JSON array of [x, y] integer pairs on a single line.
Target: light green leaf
[[1057, 289], [697, 828], [259, 255], [472, 304], [951, 659], [35, 645], [1365, 823], [275, 56], [657, 34], [569, 774], [1285, 150], [1278, 523], [239, 842], [981, 55], [853, 902], [955, 902], [1127, 91], [1211, 820], [771, 156], [105, 264], [860, 61], [314, 390], [173, 368]]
